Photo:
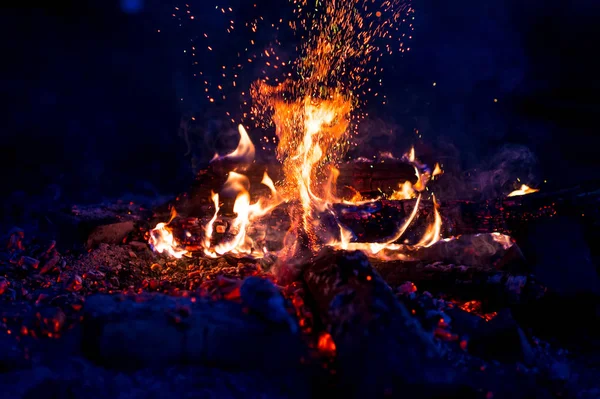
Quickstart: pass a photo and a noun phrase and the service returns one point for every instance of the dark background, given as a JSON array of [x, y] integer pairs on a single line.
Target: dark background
[[92, 94]]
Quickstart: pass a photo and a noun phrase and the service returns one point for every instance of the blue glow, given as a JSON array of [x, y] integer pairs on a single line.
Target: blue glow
[[132, 6]]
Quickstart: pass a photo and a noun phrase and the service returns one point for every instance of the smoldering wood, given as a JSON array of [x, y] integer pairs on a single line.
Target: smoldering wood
[[494, 288], [156, 330], [380, 347]]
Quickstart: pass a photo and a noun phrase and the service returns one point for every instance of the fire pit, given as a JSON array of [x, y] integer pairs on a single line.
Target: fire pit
[[298, 272]]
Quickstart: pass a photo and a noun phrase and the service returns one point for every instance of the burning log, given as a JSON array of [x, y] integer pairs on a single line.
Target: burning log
[[488, 267], [479, 250], [369, 178], [380, 347]]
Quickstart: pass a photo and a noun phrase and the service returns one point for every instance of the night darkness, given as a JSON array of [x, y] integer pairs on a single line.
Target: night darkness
[[113, 112], [93, 92]]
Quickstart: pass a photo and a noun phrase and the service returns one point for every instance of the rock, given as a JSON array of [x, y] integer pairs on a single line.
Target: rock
[[109, 234]]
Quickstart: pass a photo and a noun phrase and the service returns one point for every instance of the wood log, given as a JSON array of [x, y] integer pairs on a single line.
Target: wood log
[[157, 330], [381, 349], [366, 177], [494, 288]]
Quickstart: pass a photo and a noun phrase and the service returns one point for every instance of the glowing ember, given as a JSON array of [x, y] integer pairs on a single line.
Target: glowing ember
[[475, 308], [524, 190], [326, 344]]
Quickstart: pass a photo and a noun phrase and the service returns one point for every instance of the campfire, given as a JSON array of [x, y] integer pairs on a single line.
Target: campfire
[[306, 273]]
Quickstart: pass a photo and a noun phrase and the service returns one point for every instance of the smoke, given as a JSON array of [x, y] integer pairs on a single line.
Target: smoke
[[504, 171], [375, 135], [510, 164]]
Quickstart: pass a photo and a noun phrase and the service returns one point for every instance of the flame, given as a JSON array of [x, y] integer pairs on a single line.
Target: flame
[[405, 192], [162, 240], [524, 190], [208, 231], [241, 208], [356, 196], [245, 151], [437, 170], [410, 155], [245, 212], [432, 235], [374, 249], [312, 118]]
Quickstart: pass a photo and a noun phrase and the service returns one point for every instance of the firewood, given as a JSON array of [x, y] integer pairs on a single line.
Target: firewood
[[158, 330], [109, 234], [380, 347], [366, 177]]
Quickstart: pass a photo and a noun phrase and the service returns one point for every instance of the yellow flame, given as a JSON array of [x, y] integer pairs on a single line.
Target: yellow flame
[[244, 152], [241, 208], [437, 170], [432, 235], [312, 117], [245, 212], [411, 155], [371, 248], [208, 231], [524, 190], [404, 192]]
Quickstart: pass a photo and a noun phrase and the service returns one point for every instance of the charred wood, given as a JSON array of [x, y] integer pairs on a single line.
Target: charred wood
[[128, 332], [380, 347]]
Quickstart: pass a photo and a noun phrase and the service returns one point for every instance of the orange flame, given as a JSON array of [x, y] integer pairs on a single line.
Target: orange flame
[[312, 118], [437, 170], [208, 231], [405, 192], [432, 235], [162, 240], [245, 151]]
